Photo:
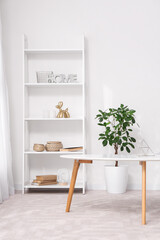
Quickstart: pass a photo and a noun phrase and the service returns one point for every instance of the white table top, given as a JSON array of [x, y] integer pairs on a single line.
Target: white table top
[[112, 158]]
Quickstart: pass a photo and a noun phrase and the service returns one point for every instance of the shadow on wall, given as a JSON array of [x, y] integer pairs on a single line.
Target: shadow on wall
[[146, 128]]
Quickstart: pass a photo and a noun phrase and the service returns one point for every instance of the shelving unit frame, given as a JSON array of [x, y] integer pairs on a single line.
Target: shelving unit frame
[[27, 85]]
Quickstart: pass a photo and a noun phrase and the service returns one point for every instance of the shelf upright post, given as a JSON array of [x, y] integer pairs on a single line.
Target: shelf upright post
[[24, 46], [84, 112]]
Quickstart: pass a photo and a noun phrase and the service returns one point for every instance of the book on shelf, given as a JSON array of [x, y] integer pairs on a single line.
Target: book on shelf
[[44, 182], [46, 178], [71, 149], [41, 183]]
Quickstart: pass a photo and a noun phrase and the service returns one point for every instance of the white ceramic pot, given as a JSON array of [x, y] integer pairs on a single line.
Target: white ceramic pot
[[116, 178]]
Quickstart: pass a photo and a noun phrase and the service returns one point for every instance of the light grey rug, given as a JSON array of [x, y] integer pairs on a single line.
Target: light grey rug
[[94, 216]]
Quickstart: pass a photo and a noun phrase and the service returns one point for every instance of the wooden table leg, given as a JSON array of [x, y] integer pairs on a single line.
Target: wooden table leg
[[143, 193], [72, 184]]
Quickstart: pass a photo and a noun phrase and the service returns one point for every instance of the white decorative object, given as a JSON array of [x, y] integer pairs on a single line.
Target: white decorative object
[[72, 78], [116, 178], [51, 78], [63, 176], [61, 78], [145, 148], [44, 76]]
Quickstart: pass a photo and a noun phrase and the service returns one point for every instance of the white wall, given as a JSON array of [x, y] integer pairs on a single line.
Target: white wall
[[122, 57]]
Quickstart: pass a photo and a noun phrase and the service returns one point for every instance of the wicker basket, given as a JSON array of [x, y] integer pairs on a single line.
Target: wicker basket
[[38, 147], [53, 146]]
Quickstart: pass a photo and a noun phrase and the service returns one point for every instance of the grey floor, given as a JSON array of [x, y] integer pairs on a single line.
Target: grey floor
[[94, 216]]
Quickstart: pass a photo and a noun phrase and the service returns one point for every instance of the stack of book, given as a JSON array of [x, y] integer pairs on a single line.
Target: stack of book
[[45, 180], [71, 149]]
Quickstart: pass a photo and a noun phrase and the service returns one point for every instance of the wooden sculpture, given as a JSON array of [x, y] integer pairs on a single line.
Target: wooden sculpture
[[62, 113]]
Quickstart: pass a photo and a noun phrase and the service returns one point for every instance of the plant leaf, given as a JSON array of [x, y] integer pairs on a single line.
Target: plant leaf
[[119, 142], [130, 130], [128, 150], [101, 111], [133, 120], [100, 124], [106, 123], [124, 138], [131, 145], [122, 148], [101, 134], [104, 142], [133, 139], [119, 133], [125, 144]]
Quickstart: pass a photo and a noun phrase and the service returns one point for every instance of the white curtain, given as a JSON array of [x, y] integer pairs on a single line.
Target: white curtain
[[6, 177]]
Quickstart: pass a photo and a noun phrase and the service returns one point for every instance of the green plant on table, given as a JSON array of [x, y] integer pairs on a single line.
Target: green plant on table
[[118, 124]]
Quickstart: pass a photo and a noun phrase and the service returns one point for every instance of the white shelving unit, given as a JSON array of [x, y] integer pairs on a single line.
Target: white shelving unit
[[53, 119], [52, 84], [39, 97], [48, 153], [41, 51]]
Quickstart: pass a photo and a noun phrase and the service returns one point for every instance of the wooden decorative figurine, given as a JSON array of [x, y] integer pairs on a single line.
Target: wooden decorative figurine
[[62, 113]]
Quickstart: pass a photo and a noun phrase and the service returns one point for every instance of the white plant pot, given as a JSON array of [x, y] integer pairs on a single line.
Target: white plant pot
[[116, 178]]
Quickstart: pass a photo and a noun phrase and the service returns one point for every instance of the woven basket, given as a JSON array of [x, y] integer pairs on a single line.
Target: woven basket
[[53, 146], [38, 147]]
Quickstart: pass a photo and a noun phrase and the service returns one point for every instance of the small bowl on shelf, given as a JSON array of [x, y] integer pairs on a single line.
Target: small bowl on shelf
[[38, 147], [53, 146]]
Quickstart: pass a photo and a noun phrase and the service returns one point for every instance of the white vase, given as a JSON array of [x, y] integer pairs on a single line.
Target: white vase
[[116, 178]]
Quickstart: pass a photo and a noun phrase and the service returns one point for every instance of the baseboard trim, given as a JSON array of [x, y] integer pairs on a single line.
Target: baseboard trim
[[18, 187], [129, 187]]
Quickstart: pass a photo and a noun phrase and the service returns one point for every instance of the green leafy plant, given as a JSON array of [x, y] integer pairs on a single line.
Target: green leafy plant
[[118, 126]]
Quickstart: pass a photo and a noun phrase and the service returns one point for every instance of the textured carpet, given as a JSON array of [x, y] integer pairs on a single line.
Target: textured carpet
[[94, 216]]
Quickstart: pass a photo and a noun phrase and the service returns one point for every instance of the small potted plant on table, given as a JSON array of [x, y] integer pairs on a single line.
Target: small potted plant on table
[[118, 124]]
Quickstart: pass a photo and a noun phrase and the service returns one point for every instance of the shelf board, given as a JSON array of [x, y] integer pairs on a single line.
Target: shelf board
[[40, 51], [50, 153], [53, 119], [52, 84], [29, 185]]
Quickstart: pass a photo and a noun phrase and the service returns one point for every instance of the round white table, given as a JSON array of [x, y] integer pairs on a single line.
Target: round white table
[[87, 158]]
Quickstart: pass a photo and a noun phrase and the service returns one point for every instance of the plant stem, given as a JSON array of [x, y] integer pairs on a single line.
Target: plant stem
[[116, 164], [116, 148], [116, 152]]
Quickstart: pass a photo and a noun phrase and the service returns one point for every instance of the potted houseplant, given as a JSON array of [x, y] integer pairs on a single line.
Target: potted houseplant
[[117, 123]]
